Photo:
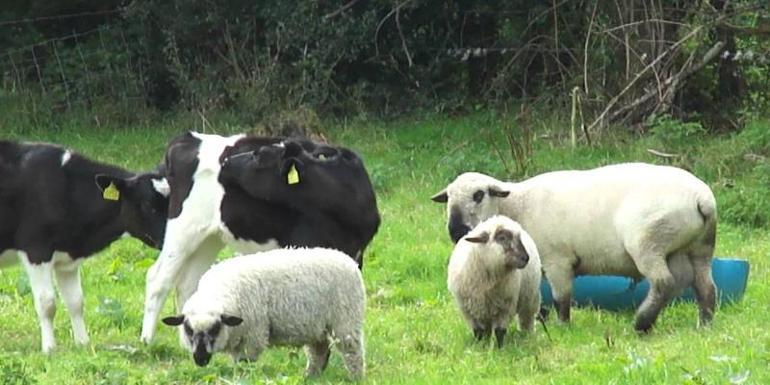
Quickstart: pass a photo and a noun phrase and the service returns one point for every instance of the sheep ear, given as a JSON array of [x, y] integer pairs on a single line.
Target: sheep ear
[[481, 238], [174, 320], [496, 192], [440, 197], [231, 320]]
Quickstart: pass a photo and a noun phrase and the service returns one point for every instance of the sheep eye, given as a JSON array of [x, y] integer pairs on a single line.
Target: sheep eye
[[214, 332], [503, 236], [188, 330], [478, 196]]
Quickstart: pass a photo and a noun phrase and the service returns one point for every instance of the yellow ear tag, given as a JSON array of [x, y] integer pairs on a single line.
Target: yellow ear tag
[[293, 176], [111, 193]]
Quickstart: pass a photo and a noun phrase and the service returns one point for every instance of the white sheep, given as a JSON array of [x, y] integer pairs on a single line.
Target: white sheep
[[289, 297], [634, 219], [494, 274]]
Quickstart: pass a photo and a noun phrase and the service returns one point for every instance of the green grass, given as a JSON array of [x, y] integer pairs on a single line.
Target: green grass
[[414, 333]]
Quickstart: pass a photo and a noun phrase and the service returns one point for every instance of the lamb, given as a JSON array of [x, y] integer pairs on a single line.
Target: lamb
[[494, 274], [633, 219], [302, 296]]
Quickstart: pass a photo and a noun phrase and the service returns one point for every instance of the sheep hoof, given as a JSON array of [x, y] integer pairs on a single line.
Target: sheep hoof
[[478, 334], [545, 311], [643, 327], [500, 336]]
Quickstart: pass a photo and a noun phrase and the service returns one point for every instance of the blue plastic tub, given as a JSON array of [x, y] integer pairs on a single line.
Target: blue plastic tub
[[620, 293]]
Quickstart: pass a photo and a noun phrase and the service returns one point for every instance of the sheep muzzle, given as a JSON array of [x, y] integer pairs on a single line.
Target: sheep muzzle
[[201, 356]]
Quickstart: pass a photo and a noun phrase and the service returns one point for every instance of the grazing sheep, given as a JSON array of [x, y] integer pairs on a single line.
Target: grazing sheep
[[494, 273], [280, 297], [634, 219]]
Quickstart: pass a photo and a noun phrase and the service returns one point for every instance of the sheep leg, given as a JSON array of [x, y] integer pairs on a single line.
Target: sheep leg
[[247, 355], [703, 283], [560, 279], [71, 290], [41, 279], [662, 287], [317, 357], [527, 321], [352, 347], [500, 336], [481, 333], [705, 290]]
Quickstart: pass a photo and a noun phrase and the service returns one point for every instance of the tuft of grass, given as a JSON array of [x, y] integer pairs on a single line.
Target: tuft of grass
[[414, 333]]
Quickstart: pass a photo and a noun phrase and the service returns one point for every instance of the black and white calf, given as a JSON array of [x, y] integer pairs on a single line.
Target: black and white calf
[[209, 208], [54, 213], [329, 180]]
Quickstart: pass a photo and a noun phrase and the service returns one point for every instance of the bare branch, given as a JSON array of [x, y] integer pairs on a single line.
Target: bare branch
[[641, 73], [662, 154], [339, 11], [401, 35], [585, 49]]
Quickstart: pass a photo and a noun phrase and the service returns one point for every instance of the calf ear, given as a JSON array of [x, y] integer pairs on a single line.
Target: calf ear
[[440, 197], [174, 320], [496, 192], [110, 186], [103, 181], [231, 320], [293, 170], [481, 238]]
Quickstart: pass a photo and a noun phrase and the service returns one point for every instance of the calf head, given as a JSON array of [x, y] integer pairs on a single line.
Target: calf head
[[501, 237], [143, 203], [203, 333], [470, 198], [266, 171]]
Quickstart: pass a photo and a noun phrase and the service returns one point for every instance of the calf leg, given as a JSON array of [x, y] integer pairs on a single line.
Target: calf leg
[[662, 287], [197, 264], [164, 273], [72, 293], [317, 357], [41, 279]]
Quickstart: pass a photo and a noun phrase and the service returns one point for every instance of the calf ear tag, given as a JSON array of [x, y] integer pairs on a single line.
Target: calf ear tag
[[292, 177], [111, 193]]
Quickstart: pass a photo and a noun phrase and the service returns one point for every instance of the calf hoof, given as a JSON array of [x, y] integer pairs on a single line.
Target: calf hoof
[[146, 338]]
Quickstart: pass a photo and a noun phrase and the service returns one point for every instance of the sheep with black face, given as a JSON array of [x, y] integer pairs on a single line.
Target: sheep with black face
[[633, 219], [295, 297], [494, 274]]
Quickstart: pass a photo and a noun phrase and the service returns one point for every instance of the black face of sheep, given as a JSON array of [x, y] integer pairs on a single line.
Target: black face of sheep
[[468, 207], [516, 256], [202, 342], [457, 229]]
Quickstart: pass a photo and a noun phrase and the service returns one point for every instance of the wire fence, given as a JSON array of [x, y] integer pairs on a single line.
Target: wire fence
[[76, 69], [97, 65]]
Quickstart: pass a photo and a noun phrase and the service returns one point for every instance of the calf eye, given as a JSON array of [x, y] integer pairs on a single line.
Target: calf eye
[[478, 196]]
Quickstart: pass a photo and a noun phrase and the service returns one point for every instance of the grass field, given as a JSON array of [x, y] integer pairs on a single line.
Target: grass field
[[414, 334]]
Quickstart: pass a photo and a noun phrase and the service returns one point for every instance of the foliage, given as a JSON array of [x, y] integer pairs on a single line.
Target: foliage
[[669, 130], [250, 59]]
